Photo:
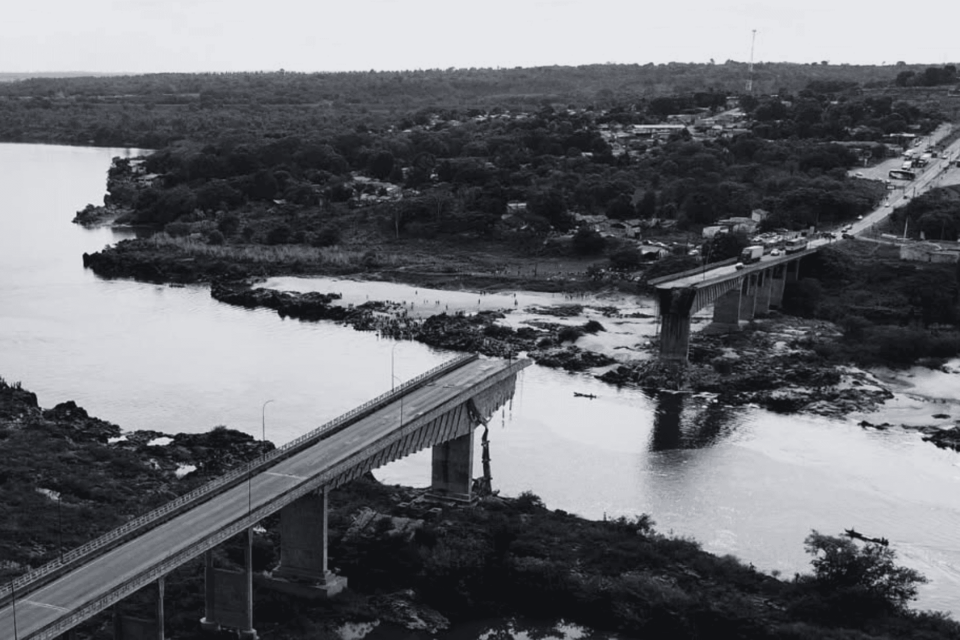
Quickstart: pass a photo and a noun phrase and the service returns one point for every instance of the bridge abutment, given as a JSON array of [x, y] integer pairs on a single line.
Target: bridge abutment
[[303, 550]]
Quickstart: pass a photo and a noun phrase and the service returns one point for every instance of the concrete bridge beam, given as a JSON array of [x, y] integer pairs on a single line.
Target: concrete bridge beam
[[303, 566]]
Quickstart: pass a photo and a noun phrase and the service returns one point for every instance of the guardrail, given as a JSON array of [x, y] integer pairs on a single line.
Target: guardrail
[[36, 578], [691, 272]]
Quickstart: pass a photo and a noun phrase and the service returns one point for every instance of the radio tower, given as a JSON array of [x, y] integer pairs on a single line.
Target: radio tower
[[753, 41]]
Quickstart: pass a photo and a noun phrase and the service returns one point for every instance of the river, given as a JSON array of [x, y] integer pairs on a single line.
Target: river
[[742, 481]]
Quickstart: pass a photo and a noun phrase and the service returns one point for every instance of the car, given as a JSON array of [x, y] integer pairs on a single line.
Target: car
[[738, 266], [847, 227], [846, 236], [859, 217], [775, 252], [859, 174]]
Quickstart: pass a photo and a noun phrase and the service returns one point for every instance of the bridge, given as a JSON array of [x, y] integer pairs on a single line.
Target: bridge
[[736, 295], [438, 409]]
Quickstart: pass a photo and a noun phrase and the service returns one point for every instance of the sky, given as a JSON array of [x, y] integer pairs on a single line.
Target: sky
[[146, 36]]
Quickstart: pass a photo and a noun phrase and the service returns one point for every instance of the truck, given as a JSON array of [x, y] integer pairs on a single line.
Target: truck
[[751, 254]]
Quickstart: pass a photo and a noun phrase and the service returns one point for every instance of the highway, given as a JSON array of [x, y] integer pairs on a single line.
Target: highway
[[925, 181], [187, 532]]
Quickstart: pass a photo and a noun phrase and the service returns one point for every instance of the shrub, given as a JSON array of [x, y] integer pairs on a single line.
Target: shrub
[[840, 565], [215, 237], [569, 334]]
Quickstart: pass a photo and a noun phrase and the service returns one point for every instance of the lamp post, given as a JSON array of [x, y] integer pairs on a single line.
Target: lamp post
[[392, 377], [59, 527], [13, 598], [263, 428], [401, 405]]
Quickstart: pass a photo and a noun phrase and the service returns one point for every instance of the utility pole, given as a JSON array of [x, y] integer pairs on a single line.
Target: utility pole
[[753, 41]]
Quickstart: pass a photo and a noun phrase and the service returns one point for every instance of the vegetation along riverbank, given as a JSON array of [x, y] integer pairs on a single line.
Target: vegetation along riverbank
[[420, 566]]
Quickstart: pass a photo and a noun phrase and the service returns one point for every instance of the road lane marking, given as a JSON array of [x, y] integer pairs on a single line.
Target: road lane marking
[[283, 475], [45, 605]]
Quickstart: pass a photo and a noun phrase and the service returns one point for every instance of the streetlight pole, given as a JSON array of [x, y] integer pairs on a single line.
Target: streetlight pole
[[401, 406], [392, 377], [60, 527], [263, 428], [13, 597]]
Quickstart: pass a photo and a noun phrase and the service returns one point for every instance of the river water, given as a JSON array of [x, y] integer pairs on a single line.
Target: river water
[[742, 481]]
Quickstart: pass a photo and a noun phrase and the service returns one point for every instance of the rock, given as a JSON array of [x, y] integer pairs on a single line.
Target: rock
[[401, 608]]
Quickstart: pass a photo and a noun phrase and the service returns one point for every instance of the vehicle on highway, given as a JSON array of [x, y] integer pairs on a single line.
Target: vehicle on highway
[[796, 244], [900, 174], [738, 266], [751, 254]]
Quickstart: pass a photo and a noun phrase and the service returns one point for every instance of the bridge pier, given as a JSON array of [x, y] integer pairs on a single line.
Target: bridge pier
[[303, 550], [131, 628], [674, 306], [452, 469], [778, 280], [726, 313], [229, 595], [748, 297], [764, 292]]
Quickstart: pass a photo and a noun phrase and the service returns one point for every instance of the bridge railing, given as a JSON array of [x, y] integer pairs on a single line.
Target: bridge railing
[[653, 282], [218, 485]]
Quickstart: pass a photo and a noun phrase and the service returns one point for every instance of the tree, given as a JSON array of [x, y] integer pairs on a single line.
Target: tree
[[586, 241], [381, 165], [840, 565]]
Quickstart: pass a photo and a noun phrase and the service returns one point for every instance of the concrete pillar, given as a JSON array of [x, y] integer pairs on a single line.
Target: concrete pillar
[[674, 306], [726, 312], [793, 270], [208, 622], [229, 596], [303, 550], [247, 632], [131, 628], [452, 469], [748, 298], [778, 281], [764, 292], [674, 337]]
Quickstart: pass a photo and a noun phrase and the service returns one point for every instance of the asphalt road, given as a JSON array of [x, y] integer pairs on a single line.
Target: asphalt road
[[929, 178], [56, 600]]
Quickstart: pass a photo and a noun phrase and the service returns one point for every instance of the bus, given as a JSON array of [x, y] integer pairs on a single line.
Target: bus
[[796, 244], [900, 174]]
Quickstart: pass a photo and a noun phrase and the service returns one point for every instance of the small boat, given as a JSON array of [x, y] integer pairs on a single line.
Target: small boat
[[577, 394]]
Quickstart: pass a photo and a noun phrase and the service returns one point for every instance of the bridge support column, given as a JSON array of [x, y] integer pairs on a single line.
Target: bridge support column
[[726, 313], [229, 596], [674, 306], [452, 469], [764, 292], [778, 280], [303, 550], [793, 271], [748, 298], [131, 628]]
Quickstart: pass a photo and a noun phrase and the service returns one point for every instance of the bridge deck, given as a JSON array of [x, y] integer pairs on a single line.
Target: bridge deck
[[202, 527], [730, 271]]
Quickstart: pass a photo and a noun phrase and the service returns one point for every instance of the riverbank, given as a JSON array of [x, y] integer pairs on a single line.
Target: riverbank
[[410, 562], [781, 362]]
